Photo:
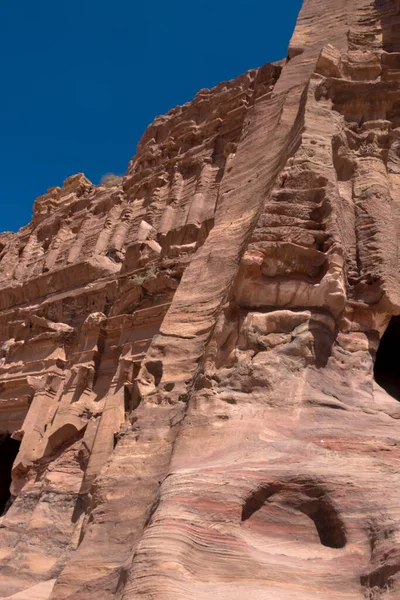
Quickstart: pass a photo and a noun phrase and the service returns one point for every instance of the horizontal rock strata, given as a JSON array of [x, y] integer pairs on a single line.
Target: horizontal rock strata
[[199, 390]]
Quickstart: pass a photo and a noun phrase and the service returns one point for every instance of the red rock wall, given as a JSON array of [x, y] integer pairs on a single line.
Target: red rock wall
[[187, 354]]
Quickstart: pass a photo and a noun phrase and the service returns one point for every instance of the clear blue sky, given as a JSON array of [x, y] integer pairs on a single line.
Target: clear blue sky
[[81, 79]]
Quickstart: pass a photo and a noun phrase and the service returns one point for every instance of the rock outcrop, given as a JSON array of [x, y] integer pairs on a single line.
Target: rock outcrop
[[199, 388]]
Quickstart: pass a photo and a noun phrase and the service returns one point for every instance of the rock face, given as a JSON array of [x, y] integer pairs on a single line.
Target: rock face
[[199, 379]]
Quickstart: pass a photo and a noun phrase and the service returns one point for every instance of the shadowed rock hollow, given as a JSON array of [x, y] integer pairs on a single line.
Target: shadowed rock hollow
[[199, 373]]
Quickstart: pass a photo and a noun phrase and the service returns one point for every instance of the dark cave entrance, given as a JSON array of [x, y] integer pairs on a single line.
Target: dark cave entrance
[[387, 362], [8, 452]]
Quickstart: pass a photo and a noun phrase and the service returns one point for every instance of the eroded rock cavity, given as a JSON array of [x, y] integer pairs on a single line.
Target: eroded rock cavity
[[8, 451], [387, 364]]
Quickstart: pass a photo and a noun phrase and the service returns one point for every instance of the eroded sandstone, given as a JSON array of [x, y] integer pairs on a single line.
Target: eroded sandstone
[[188, 397]]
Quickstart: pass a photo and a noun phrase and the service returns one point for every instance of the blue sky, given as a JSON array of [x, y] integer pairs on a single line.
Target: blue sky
[[82, 79]]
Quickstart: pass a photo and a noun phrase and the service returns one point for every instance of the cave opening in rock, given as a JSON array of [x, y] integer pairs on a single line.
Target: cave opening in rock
[[387, 364], [8, 452]]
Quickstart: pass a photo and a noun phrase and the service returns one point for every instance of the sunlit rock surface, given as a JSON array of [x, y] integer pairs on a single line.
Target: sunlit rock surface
[[199, 372]]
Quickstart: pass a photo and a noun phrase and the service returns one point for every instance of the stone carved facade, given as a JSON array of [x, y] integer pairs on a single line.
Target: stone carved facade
[[188, 407]]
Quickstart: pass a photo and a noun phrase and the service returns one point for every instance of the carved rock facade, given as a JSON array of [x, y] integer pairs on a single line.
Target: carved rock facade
[[189, 406]]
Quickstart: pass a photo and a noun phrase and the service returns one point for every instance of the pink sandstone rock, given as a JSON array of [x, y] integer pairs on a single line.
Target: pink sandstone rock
[[199, 382]]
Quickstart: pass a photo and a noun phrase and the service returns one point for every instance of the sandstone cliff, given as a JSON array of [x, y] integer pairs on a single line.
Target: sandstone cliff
[[199, 385]]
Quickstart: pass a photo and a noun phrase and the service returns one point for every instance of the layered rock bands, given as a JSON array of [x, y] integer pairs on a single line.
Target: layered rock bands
[[199, 373]]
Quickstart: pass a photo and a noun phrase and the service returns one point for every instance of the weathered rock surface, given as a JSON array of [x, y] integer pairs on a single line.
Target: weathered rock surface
[[189, 406]]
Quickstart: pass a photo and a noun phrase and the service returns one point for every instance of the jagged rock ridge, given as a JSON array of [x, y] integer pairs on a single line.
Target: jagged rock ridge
[[188, 401]]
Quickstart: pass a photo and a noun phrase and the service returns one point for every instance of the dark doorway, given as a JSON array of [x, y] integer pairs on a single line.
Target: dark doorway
[[8, 452], [387, 363]]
